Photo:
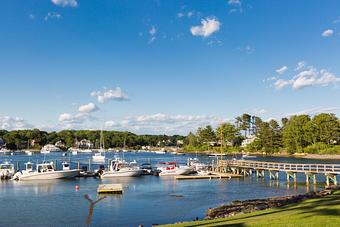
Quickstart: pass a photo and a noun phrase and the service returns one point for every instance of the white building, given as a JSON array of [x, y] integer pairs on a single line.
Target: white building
[[248, 140]]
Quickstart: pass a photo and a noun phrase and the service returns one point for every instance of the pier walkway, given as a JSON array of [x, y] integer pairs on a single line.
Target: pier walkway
[[247, 168]]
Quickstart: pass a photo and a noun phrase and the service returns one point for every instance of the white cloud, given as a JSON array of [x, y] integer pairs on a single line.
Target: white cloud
[[52, 15], [88, 108], [65, 3], [208, 27], [236, 6], [279, 84], [313, 111], [247, 49], [234, 2], [300, 65], [78, 118], [327, 33], [282, 70], [13, 123], [31, 16], [307, 78], [152, 30], [111, 94], [337, 20], [152, 33], [188, 14], [163, 124], [259, 111]]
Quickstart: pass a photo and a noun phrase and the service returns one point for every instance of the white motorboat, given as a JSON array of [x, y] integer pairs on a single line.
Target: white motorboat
[[98, 157], [6, 170], [121, 168], [28, 152], [199, 167], [49, 148], [85, 151], [173, 169], [248, 156], [159, 152], [45, 171], [74, 151]]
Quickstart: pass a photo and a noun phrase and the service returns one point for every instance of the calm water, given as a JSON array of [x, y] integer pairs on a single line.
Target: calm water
[[146, 200]]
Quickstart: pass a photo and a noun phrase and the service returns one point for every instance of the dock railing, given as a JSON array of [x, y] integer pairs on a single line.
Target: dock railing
[[284, 167]]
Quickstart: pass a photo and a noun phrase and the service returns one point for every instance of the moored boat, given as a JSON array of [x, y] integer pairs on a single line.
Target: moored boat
[[172, 168], [121, 168], [48, 148], [45, 171], [6, 170]]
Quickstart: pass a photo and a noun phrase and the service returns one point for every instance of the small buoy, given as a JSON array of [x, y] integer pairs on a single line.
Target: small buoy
[[77, 187]]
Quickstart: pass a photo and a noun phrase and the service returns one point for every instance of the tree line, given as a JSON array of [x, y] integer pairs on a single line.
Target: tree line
[[35, 139], [300, 133]]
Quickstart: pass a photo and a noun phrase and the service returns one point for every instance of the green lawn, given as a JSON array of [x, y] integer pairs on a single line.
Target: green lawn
[[314, 212]]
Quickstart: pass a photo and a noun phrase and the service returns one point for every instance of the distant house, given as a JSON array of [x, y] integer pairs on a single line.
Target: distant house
[[60, 144], [85, 144], [248, 140], [179, 142]]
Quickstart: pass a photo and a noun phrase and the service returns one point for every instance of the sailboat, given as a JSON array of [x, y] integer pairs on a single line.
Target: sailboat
[[99, 156]]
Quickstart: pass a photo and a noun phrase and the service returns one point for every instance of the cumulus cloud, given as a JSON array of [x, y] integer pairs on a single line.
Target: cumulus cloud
[[65, 3], [327, 33], [110, 94], [88, 108], [13, 123], [313, 111], [52, 15], [282, 70], [306, 77], [161, 123], [208, 27], [78, 118]]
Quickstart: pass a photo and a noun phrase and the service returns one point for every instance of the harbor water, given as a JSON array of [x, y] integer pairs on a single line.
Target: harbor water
[[146, 200]]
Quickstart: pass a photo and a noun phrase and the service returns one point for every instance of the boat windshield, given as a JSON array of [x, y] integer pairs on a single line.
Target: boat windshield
[[5, 166], [45, 168]]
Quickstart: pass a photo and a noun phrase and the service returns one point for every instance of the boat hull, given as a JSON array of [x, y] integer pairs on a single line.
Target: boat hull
[[49, 175], [174, 172], [122, 173]]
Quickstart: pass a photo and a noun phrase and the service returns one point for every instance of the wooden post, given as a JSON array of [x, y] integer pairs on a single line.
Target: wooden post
[[78, 165], [89, 164], [17, 166]]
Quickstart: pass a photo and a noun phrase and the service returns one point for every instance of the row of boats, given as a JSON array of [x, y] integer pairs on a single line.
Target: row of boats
[[117, 168]]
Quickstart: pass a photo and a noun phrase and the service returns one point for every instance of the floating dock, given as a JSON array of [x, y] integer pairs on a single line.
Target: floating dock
[[213, 176], [110, 189]]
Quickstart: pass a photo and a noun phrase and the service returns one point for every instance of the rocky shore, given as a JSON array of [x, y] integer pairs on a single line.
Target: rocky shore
[[249, 206]]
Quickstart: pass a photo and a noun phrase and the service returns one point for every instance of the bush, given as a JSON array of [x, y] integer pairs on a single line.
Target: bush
[[321, 148]]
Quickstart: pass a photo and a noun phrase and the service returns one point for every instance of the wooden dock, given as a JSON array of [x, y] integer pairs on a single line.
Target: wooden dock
[[247, 168], [110, 189], [212, 176]]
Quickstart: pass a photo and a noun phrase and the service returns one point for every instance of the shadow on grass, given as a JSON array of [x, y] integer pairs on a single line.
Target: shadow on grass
[[311, 208]]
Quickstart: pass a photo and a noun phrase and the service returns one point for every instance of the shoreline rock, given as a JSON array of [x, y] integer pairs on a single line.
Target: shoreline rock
[[249, 206]]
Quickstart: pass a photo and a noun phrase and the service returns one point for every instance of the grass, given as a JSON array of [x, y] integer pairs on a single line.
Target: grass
[[313, 212]]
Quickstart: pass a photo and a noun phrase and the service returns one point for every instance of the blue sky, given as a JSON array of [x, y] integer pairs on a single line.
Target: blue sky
[[165, 66]]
